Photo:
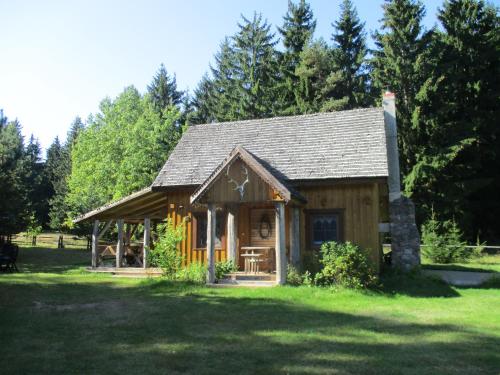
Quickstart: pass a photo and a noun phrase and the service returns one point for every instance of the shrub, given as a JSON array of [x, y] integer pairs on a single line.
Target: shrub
[[345, 264], [195, 272], [442, 242], [165, 253], [293, 276], [223, 268]]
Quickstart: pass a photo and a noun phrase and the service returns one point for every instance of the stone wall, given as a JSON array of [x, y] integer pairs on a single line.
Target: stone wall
[[405, 244]]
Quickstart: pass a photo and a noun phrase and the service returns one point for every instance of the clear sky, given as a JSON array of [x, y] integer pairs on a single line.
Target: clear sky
[[59, 59]]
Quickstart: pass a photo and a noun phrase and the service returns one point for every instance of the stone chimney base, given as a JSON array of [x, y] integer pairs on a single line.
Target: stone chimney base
[[405, 244]]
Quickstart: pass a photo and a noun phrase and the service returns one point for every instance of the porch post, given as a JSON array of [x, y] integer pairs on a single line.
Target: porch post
[[231, 234], [95, 243], [295, 237], [146, 242], [211, 243], [280, 244], [119, 244]]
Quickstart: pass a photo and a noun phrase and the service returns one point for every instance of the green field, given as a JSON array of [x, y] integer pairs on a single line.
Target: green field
[[56, 318]]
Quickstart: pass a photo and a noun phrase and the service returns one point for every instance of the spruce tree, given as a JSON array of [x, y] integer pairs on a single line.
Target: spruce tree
[[400, 64], [316, 63], [163, 90], [202, 102], [37, 187], [256, 69], [458, 162], [13, 200], [297, 31], [347, 86], [222, 98]]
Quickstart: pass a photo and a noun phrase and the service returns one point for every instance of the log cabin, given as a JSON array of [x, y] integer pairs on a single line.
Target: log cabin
[[266, 193]]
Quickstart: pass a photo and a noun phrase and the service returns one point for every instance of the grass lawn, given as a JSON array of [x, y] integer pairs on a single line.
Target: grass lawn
[[486, 263], [57, 319]]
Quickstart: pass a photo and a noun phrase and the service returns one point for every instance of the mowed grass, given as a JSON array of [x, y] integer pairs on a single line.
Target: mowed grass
[[56, 318], [485, 263]]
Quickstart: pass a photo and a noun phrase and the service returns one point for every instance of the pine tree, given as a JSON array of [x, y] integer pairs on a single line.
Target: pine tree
[[297, 31], [458, 162], [347, 86], [163, 90], [400, 64]]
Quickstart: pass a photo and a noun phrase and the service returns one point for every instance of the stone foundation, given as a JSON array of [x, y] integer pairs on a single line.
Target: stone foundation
[[405, 244]]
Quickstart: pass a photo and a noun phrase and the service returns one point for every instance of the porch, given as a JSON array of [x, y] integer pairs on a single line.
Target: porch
[[252, 202]]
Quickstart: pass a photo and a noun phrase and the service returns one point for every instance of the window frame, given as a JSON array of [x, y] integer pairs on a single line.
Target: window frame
[[310, 213], [196, 217]]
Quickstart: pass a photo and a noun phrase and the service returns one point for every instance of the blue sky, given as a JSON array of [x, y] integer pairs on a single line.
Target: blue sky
[[59, 59]]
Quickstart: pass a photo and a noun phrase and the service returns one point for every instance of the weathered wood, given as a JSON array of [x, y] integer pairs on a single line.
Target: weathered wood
[[295, 237], [105, 229], [280, 246], [146, 243], [231, 234], [358, 204], [119, 244], [257, 215], [95, 243], [211, 215]]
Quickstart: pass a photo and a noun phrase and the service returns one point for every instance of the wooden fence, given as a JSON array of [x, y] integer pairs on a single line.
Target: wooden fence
[[51, 240]]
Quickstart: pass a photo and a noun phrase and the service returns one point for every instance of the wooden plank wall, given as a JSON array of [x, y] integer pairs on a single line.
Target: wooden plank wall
[[179, 208], [364, 206], [361, 213]]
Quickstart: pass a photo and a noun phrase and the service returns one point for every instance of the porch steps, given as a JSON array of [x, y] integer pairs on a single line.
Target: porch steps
[[242, 276], [228, 283], [242, 279]]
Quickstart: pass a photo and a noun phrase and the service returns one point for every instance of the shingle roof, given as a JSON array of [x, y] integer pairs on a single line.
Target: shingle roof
[[345, 144]]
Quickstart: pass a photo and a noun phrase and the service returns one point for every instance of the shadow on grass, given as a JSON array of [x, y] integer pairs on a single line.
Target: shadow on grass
[[414, 284], [43, 260], [174, 328], [456, 267]]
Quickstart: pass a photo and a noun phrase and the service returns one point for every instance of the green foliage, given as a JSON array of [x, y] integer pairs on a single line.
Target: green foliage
[[14, 210], [347, 85], [165, 253], [195, 272], [163, 91], [293, 276], [457, 166], [345, 264], [224, 268], [121, 150], [297, 31], [401, 63], [58, 166], [315, 67], [33, 228], [442, 242]]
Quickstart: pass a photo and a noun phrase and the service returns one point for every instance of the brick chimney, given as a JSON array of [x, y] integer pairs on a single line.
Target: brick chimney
[[405, 240]]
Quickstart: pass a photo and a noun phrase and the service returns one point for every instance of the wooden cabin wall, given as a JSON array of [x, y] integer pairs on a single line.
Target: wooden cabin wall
[[360, 204], [178, 208], [364, 205]]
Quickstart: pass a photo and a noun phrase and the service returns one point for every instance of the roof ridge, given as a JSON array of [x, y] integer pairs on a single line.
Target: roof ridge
[[289, 117]]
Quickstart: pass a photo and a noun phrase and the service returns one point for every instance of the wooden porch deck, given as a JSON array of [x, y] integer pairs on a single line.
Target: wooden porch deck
[[128, 271]]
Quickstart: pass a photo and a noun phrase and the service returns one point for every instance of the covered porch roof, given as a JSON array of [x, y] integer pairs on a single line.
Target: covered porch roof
[[132, 208]]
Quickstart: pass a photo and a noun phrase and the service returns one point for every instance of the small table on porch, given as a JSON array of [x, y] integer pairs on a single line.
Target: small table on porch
[[253, 257]]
